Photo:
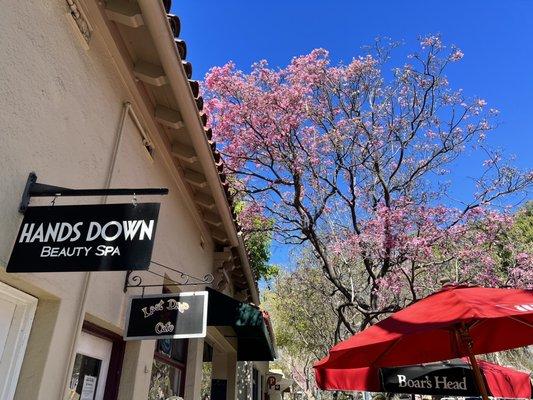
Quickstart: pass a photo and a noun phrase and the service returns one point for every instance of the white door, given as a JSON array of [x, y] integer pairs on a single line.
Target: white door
[[91, 367], [17, 310]]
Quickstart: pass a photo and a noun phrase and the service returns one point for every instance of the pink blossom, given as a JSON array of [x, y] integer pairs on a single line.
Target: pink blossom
[[456, 55], [348, 158], [431, 41]]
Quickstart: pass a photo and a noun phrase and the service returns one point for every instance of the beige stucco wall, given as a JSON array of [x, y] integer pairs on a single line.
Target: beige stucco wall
[[60, 107]]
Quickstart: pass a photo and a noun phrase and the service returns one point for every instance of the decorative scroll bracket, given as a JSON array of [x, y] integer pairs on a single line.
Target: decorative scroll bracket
[[134, 279]]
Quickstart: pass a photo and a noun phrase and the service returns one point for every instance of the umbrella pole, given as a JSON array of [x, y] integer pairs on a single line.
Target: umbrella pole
[[477, 375], [462, 336]]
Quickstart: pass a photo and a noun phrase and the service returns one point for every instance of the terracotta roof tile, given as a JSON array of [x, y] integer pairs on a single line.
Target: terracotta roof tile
[[195, 88], [188, 68], [175, 24], [182, 48], [226, 188], [203, 117], [200, 103]]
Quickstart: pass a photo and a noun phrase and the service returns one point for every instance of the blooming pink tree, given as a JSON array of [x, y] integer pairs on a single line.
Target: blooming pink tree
[[351, 160]]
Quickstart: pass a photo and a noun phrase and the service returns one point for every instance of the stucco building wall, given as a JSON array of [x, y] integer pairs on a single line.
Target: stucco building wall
[[61, 105]]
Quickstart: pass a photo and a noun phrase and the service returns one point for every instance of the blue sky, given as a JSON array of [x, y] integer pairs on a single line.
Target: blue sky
[[496, 37]]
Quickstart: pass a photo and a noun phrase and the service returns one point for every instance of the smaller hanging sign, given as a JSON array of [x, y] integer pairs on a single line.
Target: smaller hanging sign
[[95, 237], [167, 316], [431, 379], [271, 381]]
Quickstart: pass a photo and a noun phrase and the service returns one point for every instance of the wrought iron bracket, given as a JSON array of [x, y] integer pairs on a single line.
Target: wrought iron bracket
[[35, 189], [135, 280], [127, 283]]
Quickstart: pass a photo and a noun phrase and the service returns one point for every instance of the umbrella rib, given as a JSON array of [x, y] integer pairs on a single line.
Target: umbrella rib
[[519, 320], [387, 350]]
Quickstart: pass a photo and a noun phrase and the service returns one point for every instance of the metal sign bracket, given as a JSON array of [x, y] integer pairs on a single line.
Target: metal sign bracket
[[135, 280], [35, 189]]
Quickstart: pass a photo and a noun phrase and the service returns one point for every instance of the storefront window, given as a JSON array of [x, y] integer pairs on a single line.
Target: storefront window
[[168, 369], [165, 381], [91, 366], [85, 375], [255, 384], [207, 368]]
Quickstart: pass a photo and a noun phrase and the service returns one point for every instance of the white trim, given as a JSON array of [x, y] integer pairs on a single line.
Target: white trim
[[99, 348], [17, 338]]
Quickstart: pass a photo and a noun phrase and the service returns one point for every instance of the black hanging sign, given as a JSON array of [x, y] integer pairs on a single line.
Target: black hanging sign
[[97, 237], [449, 379], [167, 316]]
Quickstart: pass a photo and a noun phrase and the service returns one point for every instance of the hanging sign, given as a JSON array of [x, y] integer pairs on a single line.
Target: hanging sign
[[167, 316], [271, 381], [97, 237], [438, 379]]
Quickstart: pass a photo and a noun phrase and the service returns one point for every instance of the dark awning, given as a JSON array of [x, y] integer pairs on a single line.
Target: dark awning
[[253, 338]]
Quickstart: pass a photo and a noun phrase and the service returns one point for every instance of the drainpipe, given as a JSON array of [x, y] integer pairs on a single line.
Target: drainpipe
[[87, 279], [155, 19]]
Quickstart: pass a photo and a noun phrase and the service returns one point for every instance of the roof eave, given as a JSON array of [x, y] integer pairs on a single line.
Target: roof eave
[[155, 19]]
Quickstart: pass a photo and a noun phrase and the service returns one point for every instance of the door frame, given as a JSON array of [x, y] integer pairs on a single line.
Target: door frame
[[17, 338], [115, 362]]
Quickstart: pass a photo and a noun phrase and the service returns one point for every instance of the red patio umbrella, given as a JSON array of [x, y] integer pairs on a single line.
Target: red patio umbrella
[[500, 381], [454, 322]]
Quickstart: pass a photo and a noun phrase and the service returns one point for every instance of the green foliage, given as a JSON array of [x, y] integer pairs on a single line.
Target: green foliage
[[206, 379], [520, 235], [302, 318], [523, 226], [300, 304], [257, 240], [258, 247]]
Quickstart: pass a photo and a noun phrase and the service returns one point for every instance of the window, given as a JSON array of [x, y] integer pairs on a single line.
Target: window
[[87, 375], [98, 364], [255, 384], [207, 369], [168, 369]]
